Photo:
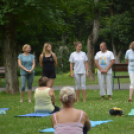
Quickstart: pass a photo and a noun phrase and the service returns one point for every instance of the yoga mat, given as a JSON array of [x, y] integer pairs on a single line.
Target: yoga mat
[[51, 130], [4, 109], [93, 124], [131, 112], [33, 115]]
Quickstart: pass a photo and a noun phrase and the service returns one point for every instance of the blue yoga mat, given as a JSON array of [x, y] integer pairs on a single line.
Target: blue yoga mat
[[93, 124], [51, 130], [4, 109], [33, 115]]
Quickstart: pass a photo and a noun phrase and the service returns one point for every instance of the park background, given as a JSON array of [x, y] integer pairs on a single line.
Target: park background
[[61, 22]]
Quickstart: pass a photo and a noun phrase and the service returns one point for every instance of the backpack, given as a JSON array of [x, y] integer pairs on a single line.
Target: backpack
[[116, 112]]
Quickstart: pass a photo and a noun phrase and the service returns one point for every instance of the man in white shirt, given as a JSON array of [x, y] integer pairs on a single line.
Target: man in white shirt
[[104, 60]]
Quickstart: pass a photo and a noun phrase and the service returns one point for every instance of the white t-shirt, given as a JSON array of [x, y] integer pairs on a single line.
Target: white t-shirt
[[104, 60], [130, 57], [78, 58]]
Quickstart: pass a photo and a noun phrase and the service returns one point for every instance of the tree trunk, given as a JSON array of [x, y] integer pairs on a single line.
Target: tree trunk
[[117, 58], [91, 42], [10, 57], [117, 52]]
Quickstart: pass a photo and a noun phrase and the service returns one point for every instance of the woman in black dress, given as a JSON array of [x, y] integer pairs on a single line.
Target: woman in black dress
[[48, 61]]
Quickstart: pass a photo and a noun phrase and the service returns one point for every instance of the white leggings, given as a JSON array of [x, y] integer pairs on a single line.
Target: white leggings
[[131, 76], [80, 81]]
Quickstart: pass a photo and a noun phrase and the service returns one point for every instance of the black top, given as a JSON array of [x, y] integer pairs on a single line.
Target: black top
[[48, 63]]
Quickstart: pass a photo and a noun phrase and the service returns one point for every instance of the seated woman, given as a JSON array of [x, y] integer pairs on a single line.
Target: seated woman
[[70, 120], [44, 97]]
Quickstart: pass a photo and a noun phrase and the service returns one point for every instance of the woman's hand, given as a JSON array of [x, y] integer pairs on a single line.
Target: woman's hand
[[29, 71], [72, 75]]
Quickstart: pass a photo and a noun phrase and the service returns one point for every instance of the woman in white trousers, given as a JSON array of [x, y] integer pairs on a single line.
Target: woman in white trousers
[[78, 60], [130, 60]]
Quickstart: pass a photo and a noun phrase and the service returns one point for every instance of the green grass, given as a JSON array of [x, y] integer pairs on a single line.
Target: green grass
[[96, 110], [65, 79]]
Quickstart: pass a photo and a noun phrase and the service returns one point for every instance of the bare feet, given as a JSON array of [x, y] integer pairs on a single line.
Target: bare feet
[[129, 100], [102, 98], [29, 100], [109, 97], [21, 100], [84, 100]]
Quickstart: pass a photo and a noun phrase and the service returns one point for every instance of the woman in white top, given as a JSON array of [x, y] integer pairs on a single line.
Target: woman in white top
[[78, 60], [130, 60]]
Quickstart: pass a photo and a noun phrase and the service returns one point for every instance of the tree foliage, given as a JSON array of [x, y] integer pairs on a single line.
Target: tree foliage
[[62, 22], [118, 25]]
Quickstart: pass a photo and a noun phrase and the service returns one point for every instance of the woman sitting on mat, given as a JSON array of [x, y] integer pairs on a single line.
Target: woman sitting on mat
[[44, 97], [75, 121]]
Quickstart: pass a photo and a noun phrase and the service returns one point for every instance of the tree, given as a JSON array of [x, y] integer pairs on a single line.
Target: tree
[[92, 40], [16, 17], [117, 25]]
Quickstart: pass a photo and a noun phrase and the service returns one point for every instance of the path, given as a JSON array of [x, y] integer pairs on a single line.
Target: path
[[89, 87]]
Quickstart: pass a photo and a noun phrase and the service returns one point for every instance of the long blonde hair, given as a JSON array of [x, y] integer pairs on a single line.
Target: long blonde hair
[[44, 48]]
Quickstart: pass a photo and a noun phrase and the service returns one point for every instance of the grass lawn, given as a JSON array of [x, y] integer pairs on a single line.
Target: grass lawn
[[96, 110], [65, 79]]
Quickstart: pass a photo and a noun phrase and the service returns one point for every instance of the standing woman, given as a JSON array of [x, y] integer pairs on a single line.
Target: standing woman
[[130, 60], [26, 62], [79, 60], [48, 61]]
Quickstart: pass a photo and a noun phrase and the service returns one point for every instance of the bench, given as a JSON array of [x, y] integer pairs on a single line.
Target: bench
[[2, 73], [120, 67]]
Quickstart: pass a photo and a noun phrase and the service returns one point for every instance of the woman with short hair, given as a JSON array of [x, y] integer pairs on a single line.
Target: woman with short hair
[[26, 62], [130, 61], [75, 121], [44, 97], [48, 61]]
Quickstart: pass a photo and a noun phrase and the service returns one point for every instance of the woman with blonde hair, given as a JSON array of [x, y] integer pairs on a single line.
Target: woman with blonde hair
[[130, 61], [48, 61], [70, 120], [26, 62]]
